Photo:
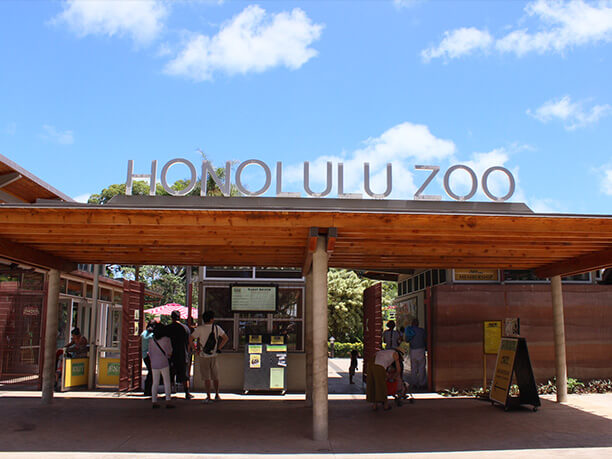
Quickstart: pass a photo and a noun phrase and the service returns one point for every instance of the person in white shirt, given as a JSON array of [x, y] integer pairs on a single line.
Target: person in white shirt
[[208, 339], [160, 352]]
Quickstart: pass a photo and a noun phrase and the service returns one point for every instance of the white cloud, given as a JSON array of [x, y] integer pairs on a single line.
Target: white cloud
[[606, 183], [252, 41], [544, 205], [61, 137], [573, 114], [560, 25], [459, 42], [82, 197], [140, 20], [402, 145]]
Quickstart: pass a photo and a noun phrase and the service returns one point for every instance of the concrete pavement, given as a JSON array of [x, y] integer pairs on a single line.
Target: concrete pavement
[[245, 426]]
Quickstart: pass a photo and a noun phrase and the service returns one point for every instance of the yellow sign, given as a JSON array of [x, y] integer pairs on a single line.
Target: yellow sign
[[503, 370], [255, 339], [108, 371], [477, 275], [77, 371], [277, 340], [492, 336], [255, 348], [277, 378], [255, 360]]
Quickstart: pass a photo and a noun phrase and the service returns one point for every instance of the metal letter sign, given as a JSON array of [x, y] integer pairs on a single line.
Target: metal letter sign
[[224, 181]]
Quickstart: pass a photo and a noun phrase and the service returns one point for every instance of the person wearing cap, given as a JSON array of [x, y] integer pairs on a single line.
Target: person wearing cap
[[77, 347], [180, 343]]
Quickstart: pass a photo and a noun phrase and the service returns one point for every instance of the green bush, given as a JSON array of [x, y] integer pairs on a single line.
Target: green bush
[[344, 349]]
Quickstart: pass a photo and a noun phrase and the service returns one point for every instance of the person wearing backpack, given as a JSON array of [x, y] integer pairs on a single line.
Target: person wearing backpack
[[160, 353], [208, 339]]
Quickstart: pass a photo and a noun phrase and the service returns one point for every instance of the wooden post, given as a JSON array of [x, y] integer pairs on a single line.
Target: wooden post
[[93, 322], [308, 344], [48, 383], [319, 338], [559, 334]]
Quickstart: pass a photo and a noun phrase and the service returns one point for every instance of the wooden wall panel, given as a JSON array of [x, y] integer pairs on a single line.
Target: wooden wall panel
[[131, 358], [459, 310]]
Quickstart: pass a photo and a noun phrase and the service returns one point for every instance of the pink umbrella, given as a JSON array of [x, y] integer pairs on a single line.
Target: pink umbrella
[[167, 309]]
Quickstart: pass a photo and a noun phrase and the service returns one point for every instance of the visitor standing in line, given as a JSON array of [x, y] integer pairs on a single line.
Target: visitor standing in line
[[208, 339], [160, 353]]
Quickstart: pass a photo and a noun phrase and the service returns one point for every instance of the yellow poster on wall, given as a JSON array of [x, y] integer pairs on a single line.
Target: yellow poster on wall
[[492, 336], [255, 361], [503, 370], [277, 378]]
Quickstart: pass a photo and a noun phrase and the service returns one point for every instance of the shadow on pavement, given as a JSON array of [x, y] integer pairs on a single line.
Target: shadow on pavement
[[284, 426]]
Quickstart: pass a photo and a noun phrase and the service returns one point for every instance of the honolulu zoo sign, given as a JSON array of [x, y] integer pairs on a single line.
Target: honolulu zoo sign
[[223, 181]]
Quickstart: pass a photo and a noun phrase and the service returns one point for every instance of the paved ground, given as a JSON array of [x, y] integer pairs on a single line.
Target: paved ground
[[97, 424]]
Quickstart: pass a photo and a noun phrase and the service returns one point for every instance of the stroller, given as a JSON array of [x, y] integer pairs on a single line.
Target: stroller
[[399, 390]]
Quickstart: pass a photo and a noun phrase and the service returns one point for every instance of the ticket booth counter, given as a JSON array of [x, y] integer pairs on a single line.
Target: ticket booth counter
[[75, 372]]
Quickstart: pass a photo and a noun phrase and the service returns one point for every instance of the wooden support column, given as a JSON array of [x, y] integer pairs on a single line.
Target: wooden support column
[[559, 334], [319, 338], [308, 344], [93, 323], [48, 377]]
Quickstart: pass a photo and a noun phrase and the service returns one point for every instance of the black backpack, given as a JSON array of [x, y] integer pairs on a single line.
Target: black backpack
[[211, 342]]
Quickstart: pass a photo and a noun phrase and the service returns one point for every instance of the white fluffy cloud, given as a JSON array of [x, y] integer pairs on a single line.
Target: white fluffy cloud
[[403, 145], [606, 183], [459, 42], [140, 20], [62, 137], [252, 41], [573, 114], [560, 25], [82, 197]]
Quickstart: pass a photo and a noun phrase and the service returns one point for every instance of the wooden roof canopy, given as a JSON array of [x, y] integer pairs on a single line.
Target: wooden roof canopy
[[361, 234], [20, 186]]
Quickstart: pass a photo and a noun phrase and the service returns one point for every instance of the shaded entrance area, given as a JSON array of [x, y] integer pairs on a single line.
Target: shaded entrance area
[[312, 234], [282, 425]]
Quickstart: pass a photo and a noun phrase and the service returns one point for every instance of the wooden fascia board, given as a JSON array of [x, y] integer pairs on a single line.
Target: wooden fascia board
[[577, 265], [28, 255]]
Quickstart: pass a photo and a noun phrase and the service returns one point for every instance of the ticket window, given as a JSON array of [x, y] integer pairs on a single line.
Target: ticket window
[[81, 318]]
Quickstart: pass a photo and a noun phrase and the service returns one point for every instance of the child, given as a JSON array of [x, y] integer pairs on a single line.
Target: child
[[353, 366]]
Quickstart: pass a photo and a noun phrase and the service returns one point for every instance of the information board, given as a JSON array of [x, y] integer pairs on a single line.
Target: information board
[[492, 336], [265, 364], [513, 359], [503, 370], [253, 298]]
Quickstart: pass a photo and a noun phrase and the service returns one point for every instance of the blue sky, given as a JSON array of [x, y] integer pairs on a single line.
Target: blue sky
[[86, 85]]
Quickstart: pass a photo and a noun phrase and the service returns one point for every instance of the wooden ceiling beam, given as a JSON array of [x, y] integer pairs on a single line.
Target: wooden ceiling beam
[[28, 255], [577, 265]]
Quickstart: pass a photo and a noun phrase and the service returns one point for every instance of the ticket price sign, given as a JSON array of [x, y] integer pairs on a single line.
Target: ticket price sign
[[265, 364], [513, 360]]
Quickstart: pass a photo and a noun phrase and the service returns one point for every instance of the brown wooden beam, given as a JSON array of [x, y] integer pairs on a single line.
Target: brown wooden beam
[[332, 235], [28, 255], [577, 265], [311, 245]]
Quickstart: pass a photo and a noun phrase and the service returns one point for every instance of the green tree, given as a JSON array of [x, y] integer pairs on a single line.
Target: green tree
[[345, 303]]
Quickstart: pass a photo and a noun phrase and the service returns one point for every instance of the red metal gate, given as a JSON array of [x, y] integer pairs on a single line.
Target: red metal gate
[[131, 327]]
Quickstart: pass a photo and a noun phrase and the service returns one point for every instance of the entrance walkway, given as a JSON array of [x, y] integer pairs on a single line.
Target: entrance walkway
[[249, 425], [338, 377]]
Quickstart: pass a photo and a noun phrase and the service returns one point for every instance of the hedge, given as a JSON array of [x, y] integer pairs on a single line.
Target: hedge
[[344, 349]]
